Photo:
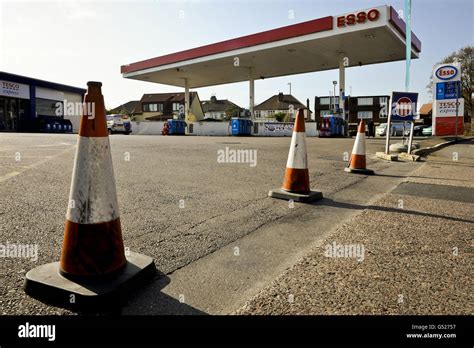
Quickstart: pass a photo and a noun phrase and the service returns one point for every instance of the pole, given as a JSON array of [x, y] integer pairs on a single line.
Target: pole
[[410, 141], [387, 134], [457, 110], [342, 83], [408, 44], [407, 72], [331, 100], [335, 99], [251, 93], [290, 87], [186, 99]]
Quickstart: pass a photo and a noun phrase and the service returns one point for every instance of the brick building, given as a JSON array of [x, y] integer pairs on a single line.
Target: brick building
[[375, 108]]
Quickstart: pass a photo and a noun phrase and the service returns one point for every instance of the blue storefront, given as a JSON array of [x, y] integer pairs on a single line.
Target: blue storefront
[[26, 104]]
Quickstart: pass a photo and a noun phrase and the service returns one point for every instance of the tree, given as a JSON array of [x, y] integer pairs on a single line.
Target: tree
[[232, 111], [279, 116], [465, 57]]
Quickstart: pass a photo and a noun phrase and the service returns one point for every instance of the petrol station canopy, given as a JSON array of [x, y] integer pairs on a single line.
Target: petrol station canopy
[[370, 36]]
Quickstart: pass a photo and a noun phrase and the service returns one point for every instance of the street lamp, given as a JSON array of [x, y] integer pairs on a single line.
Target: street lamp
[[334, 83]]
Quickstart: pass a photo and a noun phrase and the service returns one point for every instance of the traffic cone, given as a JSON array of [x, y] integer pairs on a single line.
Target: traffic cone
[[296, 182], [357, 162], [93, 273]]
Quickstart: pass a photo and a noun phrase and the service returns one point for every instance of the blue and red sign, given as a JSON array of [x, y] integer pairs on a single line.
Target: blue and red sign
[[446, 72], [403, 106]]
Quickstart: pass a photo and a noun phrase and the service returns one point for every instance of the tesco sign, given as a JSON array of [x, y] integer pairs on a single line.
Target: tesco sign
[[358, 18], [446, 72]]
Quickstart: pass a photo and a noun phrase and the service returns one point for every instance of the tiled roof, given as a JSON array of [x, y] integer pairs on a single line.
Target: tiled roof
[[280, 102], [218, 105], [131, 107]]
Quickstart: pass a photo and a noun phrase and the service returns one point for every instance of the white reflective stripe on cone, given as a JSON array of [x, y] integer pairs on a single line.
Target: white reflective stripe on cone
[[359, 145], [92, 194], [297, 157]]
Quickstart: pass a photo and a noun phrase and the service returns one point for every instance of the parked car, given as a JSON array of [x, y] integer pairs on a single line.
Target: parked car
[[119, 124], [417, 130], [397, 129], [428, 131]]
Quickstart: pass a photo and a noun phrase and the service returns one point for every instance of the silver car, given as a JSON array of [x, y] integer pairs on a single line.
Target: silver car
[[397, 129]]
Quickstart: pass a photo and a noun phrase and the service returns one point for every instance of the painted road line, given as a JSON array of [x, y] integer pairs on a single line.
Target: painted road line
[[34, 165], [8, 176]]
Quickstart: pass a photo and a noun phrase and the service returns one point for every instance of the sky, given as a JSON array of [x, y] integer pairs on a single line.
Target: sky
[[72, 42]]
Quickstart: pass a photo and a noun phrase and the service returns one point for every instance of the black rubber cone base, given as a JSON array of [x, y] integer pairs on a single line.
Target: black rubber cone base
[[100, 294], [296, 197], [359, 171]]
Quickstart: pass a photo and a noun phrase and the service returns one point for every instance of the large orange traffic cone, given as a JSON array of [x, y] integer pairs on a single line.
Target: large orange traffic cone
[[357, 162], [93, 272], [296, 182]]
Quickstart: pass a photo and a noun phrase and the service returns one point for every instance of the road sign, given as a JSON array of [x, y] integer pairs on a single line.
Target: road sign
[[403, 106]]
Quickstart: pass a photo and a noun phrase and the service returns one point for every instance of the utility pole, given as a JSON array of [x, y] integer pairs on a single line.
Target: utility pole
[[458, 85]]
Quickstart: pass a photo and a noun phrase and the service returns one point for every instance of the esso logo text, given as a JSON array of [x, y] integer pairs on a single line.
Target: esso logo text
[[358, 18], [446, 72]]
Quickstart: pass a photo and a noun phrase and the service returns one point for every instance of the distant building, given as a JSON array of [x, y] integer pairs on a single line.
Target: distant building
[[374, 108], [280, 103], [217, 108], [165, 106], [426, 113], [130, 108], [27, 103]]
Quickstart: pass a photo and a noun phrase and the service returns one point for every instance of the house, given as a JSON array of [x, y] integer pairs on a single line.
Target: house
[[217, 108], [130, 108], [374, 108], [280, 103], [426, 112], [165, 106]]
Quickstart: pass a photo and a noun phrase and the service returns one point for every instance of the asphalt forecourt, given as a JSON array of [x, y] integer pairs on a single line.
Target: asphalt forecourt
[[180, 198], [418, 261]]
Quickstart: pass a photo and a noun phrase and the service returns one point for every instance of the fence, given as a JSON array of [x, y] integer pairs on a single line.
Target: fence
[[265, 129]]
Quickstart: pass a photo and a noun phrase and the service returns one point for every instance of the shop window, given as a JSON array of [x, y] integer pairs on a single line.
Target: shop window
[[46, 107]]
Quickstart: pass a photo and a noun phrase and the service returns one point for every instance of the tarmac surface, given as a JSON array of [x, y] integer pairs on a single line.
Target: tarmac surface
[[189, 212], [418, 251]]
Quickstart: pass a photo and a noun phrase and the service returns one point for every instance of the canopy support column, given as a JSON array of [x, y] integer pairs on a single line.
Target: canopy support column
[[342, 84], [186, 99], [251, 93]]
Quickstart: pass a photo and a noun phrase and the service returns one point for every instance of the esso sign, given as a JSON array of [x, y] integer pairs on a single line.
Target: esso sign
[[446, 72], [358, 18], [403, 107]]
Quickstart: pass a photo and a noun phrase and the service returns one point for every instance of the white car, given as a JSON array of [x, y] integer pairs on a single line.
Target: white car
[[119, 124], [397, 129]]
